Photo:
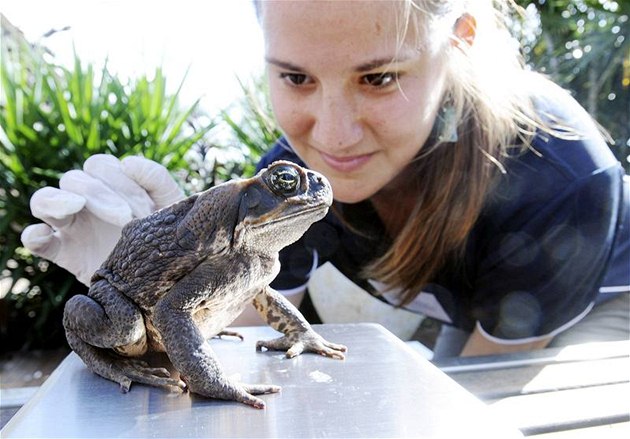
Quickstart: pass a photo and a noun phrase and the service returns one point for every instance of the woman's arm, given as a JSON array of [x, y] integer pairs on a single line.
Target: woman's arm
[[478, 344]]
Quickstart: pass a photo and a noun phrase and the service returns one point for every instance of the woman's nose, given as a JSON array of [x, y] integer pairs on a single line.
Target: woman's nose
[[337, 122]]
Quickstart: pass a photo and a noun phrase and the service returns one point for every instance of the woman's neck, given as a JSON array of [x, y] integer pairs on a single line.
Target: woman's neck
[[394, 207], [396, 201]]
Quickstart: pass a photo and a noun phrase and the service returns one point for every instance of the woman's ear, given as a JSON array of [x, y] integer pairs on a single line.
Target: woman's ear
[[465, 30]]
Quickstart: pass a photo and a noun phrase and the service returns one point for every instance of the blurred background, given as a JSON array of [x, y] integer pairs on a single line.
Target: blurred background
[[215, 40], [183, 83]]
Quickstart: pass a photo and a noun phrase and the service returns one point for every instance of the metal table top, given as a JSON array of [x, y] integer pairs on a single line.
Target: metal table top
[[382, 389]]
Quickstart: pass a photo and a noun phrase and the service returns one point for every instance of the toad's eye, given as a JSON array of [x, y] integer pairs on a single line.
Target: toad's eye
[[284, 180]]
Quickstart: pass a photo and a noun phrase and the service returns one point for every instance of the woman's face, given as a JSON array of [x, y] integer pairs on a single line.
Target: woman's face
[[352, 106]]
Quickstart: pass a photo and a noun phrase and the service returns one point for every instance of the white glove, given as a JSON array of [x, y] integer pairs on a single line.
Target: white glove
[[83, 219]]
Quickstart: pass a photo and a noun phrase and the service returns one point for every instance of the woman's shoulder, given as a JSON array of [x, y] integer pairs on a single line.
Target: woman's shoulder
[[568, 155], [570, 143]]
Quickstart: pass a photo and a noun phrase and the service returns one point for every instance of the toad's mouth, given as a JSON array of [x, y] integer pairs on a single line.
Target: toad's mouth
[[266, 220]]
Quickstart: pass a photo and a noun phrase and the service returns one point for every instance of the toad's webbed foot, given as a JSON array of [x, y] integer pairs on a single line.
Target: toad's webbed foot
[[255, 389], [295, 343], [122, 370], [126, 371], [229, 334], [233, 391]]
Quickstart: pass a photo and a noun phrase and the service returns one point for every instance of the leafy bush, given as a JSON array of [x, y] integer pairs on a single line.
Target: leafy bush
[[584, 45], [52, 118], [253, 126], [242, 134]]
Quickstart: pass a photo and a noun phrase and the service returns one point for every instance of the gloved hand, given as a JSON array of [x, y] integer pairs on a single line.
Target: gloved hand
[[83, 219]]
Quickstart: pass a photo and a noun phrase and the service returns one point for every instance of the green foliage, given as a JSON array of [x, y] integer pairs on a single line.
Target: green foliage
[[243, 133], [253, 127], [251, 130], [52, 118], [584, 45]]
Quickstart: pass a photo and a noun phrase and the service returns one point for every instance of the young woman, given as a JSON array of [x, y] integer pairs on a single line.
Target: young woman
[[467, 188]]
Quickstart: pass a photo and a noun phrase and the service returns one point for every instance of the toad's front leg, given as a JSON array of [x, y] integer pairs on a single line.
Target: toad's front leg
[[193, 357], [298, 335]]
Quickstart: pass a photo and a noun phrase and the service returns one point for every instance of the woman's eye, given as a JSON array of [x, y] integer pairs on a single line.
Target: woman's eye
[[380, 80], [295, 79]]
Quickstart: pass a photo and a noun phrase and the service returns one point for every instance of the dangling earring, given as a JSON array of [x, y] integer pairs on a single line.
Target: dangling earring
[[446, 125]]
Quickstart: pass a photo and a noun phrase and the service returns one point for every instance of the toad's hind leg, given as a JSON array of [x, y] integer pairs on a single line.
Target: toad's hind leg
[[107, 320], [119, 369]]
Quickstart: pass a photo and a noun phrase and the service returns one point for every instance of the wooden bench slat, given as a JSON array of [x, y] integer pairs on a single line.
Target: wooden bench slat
[[499, 383], [583, 352], [562, 410], [610, 431], [17, 396]]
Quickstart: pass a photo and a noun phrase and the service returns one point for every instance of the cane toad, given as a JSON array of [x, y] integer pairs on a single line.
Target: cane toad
[[182, 274]]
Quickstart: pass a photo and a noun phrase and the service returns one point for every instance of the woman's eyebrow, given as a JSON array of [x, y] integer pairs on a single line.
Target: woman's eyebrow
[[365, 67], [376, 64], [284, 65]]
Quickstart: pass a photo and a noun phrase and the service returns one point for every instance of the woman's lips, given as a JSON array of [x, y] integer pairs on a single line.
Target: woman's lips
[[345, 164]]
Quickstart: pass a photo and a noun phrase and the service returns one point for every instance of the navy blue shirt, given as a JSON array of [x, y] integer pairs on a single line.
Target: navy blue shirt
[[553, 238]]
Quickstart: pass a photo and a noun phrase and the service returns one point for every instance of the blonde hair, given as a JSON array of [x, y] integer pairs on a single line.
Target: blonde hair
[[491, 104]]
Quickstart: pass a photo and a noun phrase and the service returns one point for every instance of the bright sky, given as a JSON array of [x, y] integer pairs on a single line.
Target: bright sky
[[218, 39]]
